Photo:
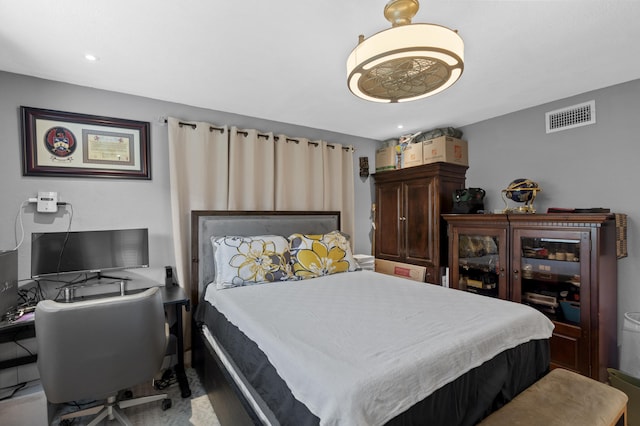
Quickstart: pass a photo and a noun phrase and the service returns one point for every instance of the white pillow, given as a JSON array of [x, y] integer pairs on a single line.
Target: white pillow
[[241, 261]]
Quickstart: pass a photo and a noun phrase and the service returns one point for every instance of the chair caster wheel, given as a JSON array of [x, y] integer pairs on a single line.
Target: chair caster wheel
[[167, 374], [166, 404]]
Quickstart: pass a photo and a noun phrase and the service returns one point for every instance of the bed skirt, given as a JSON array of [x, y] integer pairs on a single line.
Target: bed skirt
[[465, 401]]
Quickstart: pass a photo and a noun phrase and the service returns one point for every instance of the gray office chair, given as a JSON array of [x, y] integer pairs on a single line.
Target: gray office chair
[[95, 349]]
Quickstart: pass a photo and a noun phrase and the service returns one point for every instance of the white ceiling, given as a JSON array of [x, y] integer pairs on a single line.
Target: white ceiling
[[284, 60]]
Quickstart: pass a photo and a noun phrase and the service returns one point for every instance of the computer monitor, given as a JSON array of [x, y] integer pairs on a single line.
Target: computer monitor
[[55, 253], [8, 281]]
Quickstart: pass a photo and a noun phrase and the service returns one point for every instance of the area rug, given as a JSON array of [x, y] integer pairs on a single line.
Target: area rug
[[195, 410]]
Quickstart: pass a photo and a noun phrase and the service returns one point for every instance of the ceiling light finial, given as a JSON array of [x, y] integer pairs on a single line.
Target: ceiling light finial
[[407, 61], [400, 12]]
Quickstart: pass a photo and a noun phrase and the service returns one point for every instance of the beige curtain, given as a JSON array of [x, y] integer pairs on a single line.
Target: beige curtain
[[216, 168], [299, 174], [199, 178], [315, 175], [251, 170], [339, 184]]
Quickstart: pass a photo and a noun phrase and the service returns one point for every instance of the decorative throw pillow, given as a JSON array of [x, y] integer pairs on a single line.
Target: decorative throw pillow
[[321, 254], [250, 260]]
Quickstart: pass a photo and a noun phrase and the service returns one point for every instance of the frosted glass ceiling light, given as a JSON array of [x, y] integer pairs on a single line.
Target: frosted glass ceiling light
[[406, 62]]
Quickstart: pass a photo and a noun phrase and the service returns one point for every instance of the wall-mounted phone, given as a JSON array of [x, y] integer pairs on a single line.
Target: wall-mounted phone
[[47, 202]]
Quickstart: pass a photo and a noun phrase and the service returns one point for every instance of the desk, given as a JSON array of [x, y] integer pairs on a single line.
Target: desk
[[12, 332], [172, 295]]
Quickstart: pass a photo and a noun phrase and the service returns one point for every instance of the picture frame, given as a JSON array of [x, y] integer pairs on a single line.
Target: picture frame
[[68, 144]]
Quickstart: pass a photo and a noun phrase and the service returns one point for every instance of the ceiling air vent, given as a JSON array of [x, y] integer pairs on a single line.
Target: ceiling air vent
[[570, 117]]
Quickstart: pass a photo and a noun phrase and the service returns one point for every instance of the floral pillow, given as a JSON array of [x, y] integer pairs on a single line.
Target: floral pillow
[[321, 254], [243, 261]]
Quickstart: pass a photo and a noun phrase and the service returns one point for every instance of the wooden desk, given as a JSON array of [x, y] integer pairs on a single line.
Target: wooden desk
[[172, 296]]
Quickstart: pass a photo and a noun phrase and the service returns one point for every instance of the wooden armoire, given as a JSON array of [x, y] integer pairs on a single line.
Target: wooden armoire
[[409, 203]]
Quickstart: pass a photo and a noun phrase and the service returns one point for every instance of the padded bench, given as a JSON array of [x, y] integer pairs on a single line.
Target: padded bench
[[563, 398]]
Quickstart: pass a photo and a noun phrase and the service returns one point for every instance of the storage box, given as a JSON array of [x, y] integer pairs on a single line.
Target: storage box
[[402, 270], [571, 311], [386, 158], [631, 386], [445, 149], [412, 155]]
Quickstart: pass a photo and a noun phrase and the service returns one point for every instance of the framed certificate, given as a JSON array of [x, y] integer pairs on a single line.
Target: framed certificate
[[57, 143]]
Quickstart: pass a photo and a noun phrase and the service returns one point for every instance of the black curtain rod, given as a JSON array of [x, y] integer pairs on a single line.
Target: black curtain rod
[[297, 141], [276, 138], [194, 126], [260, 135], [245, 133]]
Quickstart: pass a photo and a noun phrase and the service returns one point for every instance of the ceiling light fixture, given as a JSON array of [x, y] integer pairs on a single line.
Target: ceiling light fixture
[[406, 62]]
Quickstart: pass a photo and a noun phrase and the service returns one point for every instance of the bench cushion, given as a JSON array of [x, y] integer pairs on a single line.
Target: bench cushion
[[562, 398]]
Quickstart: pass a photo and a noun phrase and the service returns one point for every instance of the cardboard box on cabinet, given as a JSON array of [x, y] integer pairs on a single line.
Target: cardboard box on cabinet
[[413, 155], [445, 149], [386, 158]]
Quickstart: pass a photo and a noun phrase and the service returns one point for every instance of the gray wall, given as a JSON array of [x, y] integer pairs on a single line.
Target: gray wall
[[589, 166], [122, 203]]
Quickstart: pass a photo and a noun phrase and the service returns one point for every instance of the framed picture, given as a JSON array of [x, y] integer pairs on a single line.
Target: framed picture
[[57, 143]]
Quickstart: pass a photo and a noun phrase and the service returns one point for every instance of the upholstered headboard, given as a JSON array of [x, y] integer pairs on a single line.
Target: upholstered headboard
[[207, 223]]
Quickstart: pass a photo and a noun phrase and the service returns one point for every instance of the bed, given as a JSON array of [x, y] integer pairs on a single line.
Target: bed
[[348, 347]]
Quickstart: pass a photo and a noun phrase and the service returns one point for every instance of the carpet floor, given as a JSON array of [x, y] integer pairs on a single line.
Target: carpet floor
[[195, 411]]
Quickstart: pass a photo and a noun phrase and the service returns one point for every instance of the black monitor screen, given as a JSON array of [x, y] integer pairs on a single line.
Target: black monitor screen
[[8, 281], [88, 251]]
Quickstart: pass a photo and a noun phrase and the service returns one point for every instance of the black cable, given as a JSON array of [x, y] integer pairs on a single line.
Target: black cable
[[65, 283], [55, 298], [18, 387], [78, 406], [24, 347], [30, 296], [64, 244], [66, 238]]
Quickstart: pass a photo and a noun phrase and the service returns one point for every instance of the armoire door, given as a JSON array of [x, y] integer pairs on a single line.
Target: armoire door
[[417, 221], [388, 235]]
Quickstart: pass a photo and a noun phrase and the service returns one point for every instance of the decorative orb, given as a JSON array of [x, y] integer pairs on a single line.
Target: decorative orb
[[521, 190]]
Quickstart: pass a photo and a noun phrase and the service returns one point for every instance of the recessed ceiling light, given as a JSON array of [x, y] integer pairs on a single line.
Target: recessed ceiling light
[[90, 57], [400, 126]]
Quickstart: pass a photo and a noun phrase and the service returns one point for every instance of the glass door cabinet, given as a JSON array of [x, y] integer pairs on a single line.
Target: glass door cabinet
[[563, 265], [478, 259], [550, 273]]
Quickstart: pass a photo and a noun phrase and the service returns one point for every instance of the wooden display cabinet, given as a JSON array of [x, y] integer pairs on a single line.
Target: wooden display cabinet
[[409, 203], [479, 248], [564, 265]]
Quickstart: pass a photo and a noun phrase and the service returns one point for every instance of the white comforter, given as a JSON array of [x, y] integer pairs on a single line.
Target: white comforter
[[359, 348]]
